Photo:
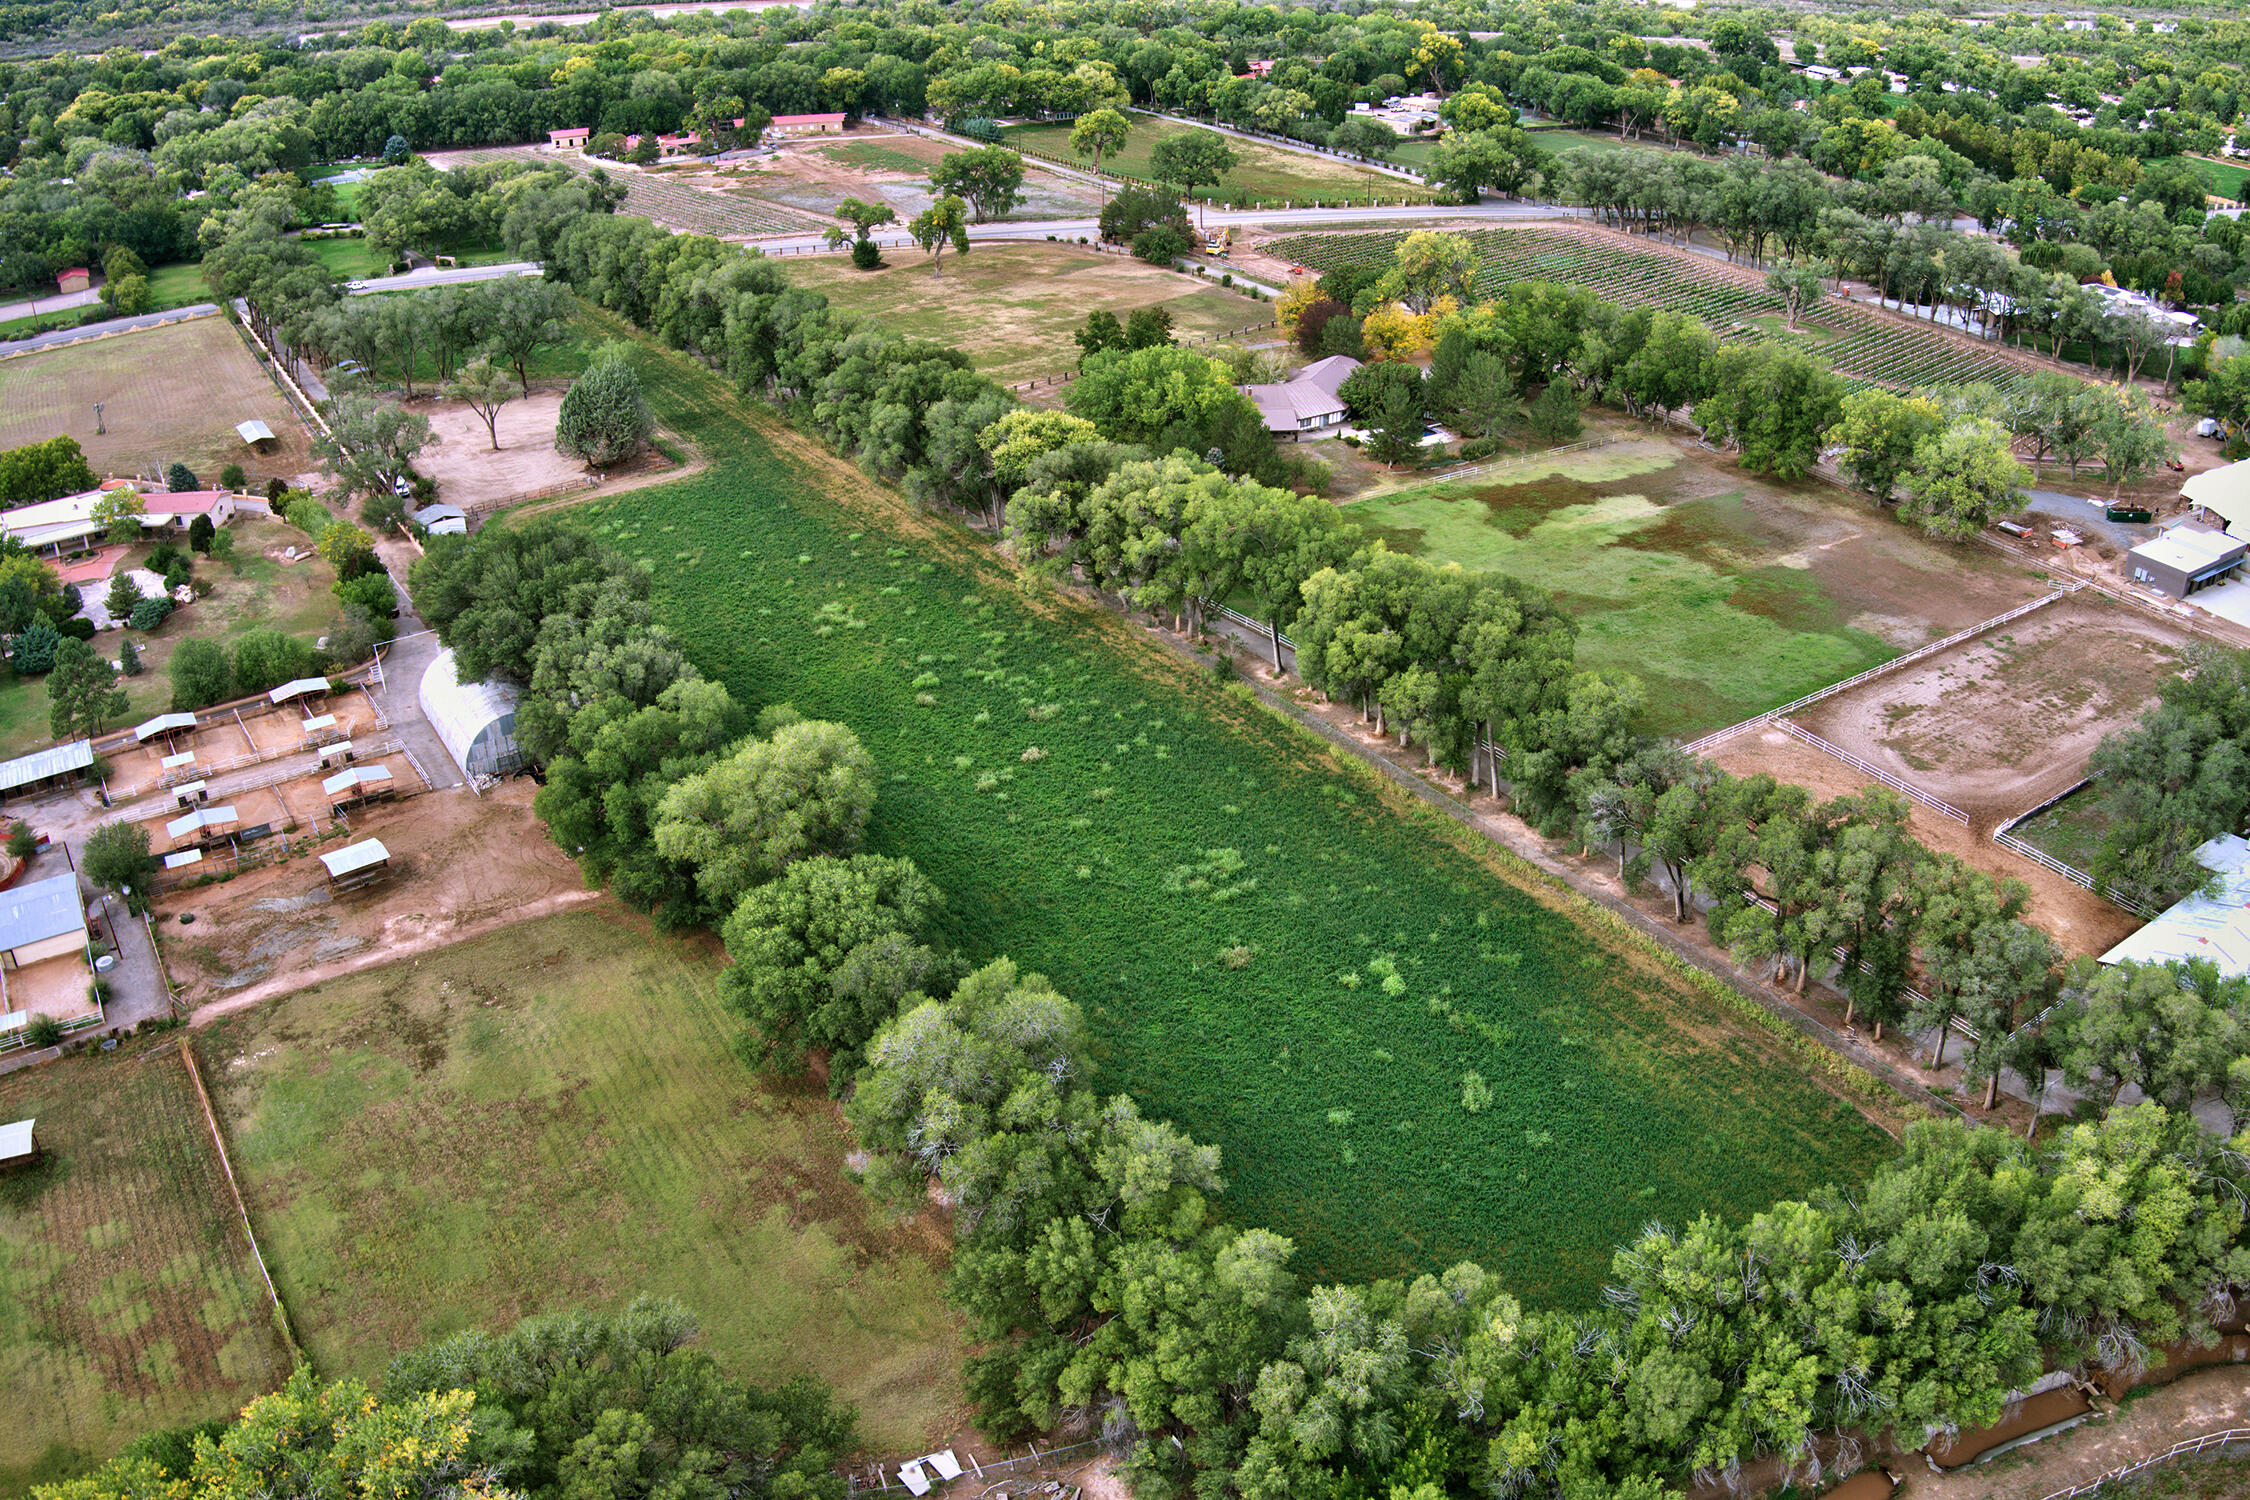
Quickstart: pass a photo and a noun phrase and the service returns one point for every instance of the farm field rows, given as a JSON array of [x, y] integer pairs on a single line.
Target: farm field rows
[[551, 1118], [1316, 1009], [1862, 348], [1262, 173], [1013, 308], [1726, 594], [129, 1300]]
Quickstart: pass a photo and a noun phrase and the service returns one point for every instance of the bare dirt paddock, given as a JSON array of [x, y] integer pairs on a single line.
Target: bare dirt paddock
[[460, 865], [2001, 723]]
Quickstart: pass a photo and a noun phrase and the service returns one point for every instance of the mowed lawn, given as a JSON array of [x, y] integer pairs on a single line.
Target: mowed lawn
[[129, 1299], [551, 1118], [1724, 595], [1313, 1010], [1261, 171], [1014, 308], [170, 394]]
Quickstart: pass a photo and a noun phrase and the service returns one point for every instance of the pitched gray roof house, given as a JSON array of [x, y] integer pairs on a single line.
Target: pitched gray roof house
[[1308, 403]]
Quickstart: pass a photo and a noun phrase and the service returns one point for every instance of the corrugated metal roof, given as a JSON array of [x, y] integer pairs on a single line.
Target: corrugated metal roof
[[344, 781], [2216, 928], [183, 859], [359, 856], [55, 760], [476, 720], [15, 1139], [254, 431], [297, 689], [162, 724], [209, 817], [43, 909]]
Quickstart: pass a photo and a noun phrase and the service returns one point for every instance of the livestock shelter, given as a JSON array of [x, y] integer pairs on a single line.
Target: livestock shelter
[[356, 865], [203, 826], [2216, 928], [166, 725], [361, 784], [257, 434], [299, 687], [19, 1145], [476, 720], [2185, 559], [42, 920], [41, 770]]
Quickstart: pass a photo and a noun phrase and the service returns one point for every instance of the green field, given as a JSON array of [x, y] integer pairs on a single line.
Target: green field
[[550, 1118], [1013, 308], [2226, 178], [1263, 173], [129, 1299], [353, 259], [2071, 830], [1384, 962], [1693, 595]]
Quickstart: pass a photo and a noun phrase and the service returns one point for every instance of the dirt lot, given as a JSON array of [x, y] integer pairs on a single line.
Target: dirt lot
[[168, 393], [140, 770], [877, 166], [467, 470], [460, 864], [2003, 722]]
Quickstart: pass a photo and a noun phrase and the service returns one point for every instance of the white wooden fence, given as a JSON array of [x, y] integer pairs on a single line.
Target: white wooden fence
[[2185, 1448], [1934, 804]]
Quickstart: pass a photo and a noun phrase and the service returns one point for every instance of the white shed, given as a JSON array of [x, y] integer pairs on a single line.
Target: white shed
[[476, 720], [44, 919]]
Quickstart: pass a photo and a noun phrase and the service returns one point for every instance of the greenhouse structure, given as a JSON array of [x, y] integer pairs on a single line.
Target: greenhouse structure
[[476, 720]]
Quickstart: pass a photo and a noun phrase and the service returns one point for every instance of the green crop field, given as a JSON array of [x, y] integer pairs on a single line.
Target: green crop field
[[1262, 173], [2226, 178], [1725, 594], [1285, 962], [128, 1296], [1013, 308], [550, 1118]]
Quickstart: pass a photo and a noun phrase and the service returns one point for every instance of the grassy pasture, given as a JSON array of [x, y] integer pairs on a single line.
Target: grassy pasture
[[171, 393], [1013, 308], [129, 1299], [550, 1118], [1262, 171], [1313, 1013], [1726, 595], [2227, 179]]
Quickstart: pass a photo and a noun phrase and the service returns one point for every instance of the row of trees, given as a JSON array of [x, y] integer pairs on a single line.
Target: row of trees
[[567, 1404]]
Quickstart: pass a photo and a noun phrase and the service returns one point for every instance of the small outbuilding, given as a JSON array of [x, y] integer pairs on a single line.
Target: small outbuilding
[[257, 434], [441, 520], [42, 920], [2185, 559], [301, 687], [361, 784], [356, 865], [570, 138], [19, 1146], [76, 279], [57, 765], [822, 124], [1307, 405], [476, 720]]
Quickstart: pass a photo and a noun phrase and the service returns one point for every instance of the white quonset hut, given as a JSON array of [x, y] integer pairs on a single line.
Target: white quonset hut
[[477, 720]]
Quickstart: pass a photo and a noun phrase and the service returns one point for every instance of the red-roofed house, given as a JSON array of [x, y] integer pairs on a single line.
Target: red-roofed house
[[808, 124], [76, 279], [674, 145], [573, 139]]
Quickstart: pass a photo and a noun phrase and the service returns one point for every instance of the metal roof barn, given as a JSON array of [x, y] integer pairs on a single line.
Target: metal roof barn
[[44, 909], [44, 765], [476, 720]]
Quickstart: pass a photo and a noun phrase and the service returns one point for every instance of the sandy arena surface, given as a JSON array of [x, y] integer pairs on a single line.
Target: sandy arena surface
[[2001, 723], [460, 865], [467, 470]]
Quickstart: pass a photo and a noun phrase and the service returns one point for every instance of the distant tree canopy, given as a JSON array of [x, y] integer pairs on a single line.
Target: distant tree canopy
[[44, 471]]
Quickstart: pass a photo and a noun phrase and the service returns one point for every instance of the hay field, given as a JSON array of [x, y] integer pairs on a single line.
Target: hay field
[[551, 1117], [170, 393], [128, 1297], [1013, 308]]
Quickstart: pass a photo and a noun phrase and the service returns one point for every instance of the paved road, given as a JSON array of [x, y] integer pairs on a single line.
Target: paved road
[[437, 276], [60, 302], [1496, 210], [113, 325]]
